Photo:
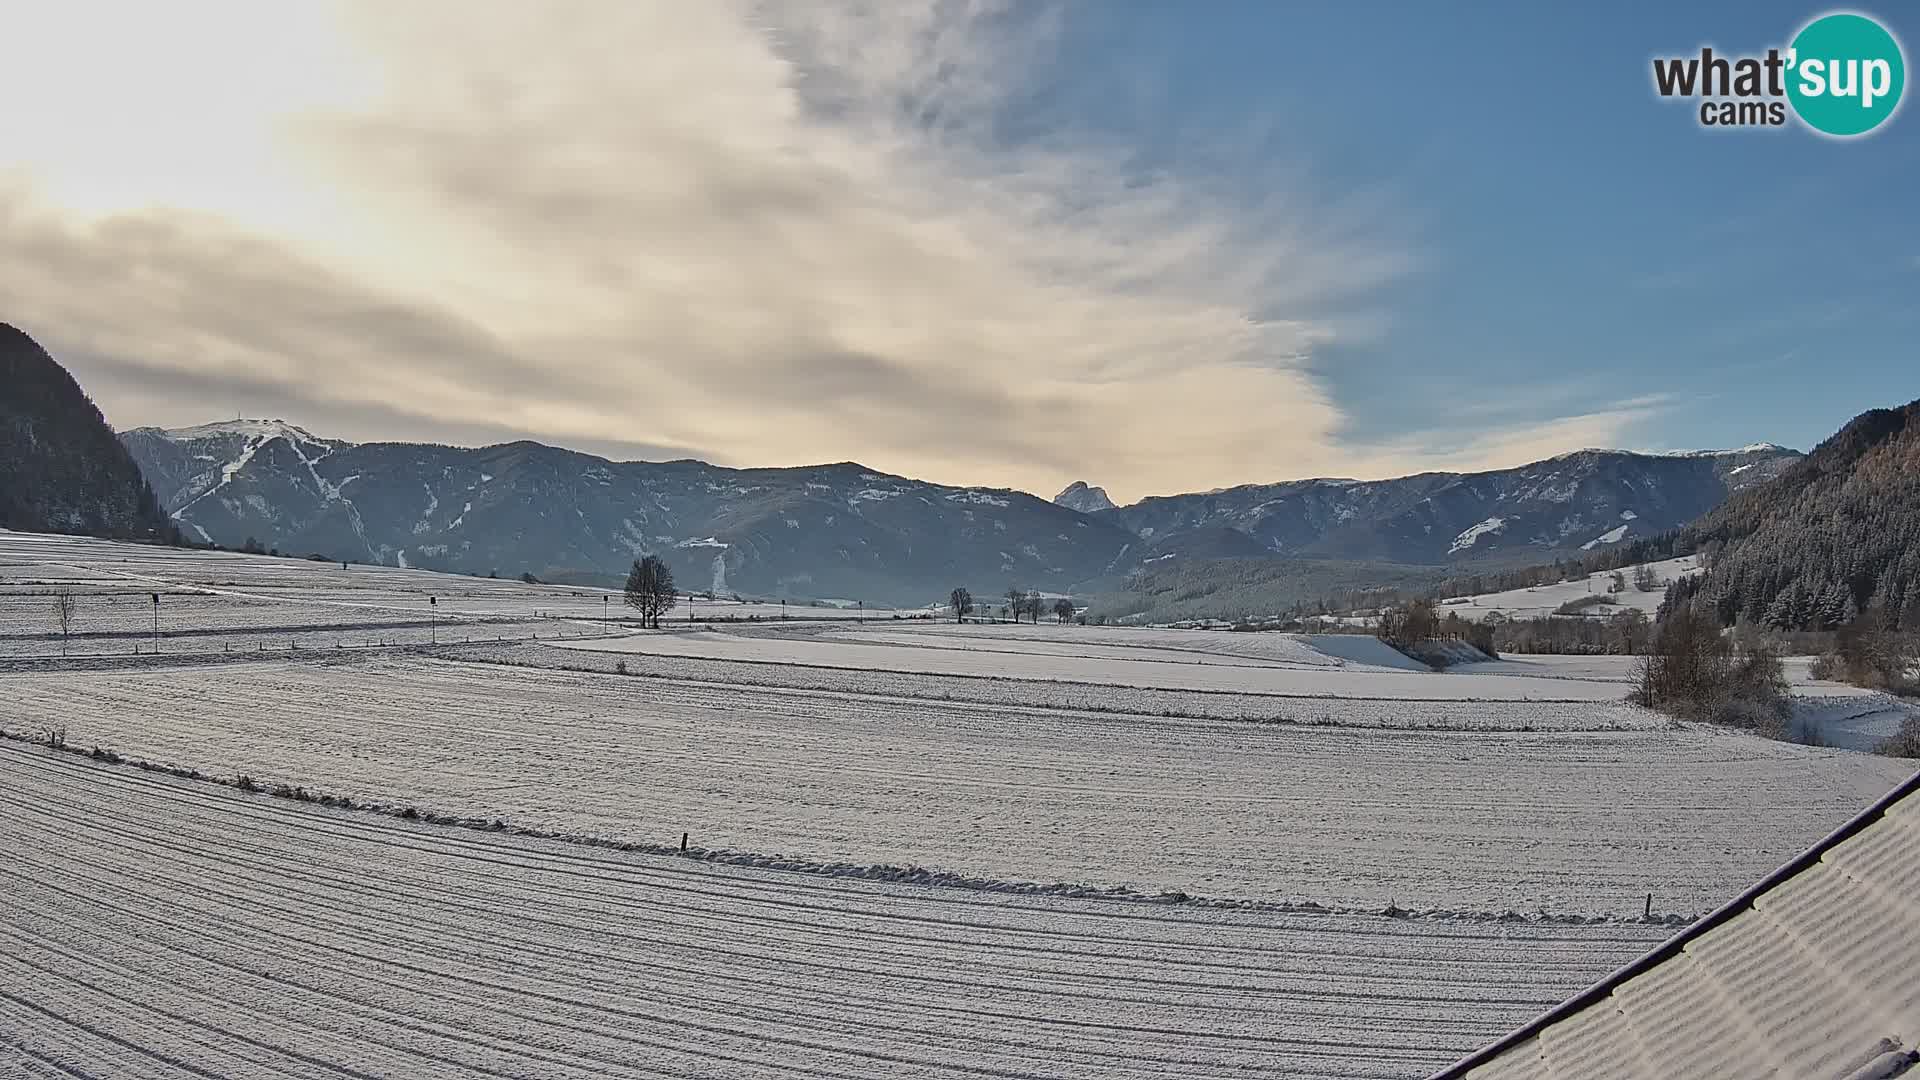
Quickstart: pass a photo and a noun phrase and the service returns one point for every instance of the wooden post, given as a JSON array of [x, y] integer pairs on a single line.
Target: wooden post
[[1649, 914], [683, 843]]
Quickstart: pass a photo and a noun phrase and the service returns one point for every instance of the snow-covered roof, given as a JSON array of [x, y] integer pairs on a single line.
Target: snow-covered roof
[[1813, 974]]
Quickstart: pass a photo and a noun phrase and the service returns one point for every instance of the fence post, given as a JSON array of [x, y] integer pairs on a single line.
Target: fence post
[[683, 843], [1649, 914]]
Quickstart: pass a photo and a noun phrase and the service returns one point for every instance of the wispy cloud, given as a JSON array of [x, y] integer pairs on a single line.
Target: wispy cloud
[[761, 234], [1472, 450]]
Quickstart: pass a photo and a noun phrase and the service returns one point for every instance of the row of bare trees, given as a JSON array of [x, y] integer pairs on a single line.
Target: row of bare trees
[[1020, 603], [1413, 625]]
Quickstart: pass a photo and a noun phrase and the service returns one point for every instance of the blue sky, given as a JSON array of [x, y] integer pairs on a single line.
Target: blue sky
[[1155, 246], [1578, 240]]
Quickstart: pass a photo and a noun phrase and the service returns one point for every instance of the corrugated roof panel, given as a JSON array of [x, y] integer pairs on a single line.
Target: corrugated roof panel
[[1813, 974], [1597, 1043], [1886, 858], [1523, 1062], [1680, 1013], [1854, 940], [1805, 1023], [1816, 910]]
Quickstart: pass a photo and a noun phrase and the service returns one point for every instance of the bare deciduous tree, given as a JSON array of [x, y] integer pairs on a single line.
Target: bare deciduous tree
[[650, 590], [1063, 610], [63, 605], [962, 602]]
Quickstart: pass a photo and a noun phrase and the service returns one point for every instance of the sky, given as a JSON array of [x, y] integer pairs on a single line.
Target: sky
[[1159, 247]]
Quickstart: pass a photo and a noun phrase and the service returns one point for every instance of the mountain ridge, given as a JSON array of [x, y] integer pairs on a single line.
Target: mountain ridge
[[843, 528], [1070, 492]]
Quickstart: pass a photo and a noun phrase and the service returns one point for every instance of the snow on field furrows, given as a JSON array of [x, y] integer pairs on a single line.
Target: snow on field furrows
[[168, 928], [1174, 847], [1580, 822]]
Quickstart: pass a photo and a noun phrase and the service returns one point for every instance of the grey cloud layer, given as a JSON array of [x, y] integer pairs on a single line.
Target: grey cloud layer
[[758, 235]]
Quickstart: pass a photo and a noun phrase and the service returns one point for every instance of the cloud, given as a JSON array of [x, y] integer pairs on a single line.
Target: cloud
[[1474, 449], [758, 234]]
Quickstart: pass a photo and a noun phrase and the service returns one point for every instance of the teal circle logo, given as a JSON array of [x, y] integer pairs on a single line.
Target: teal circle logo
[[1845, 74]]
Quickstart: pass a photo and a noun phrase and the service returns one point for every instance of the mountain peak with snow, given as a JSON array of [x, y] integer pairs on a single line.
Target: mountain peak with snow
[[1079, 496], [1751, 448], [244, 429]]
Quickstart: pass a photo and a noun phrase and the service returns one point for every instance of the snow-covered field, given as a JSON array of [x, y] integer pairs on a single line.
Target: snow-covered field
[[1070, 657], [224, 601], [918, 849], [1580, 822], [159, 927], [1542, 600], [1274, 707]]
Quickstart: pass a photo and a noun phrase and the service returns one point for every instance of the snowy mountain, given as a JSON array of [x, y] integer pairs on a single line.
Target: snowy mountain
[[1578, 501], [822, 531], [1087, 500], [848, 531]]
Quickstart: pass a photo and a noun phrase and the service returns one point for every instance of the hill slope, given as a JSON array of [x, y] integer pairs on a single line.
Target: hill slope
[[61, 469], [1835, 535]]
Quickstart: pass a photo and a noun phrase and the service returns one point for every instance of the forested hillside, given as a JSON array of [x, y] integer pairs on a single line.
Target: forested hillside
[[61, 468], [1834, 537]]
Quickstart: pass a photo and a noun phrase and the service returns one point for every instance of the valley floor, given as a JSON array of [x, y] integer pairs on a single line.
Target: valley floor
[[915, 849]]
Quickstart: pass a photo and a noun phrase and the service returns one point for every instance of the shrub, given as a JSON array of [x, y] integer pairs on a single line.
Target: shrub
[[1752, 715], [620, 668], [1905, 743], [1866, 655], [1692, 672]]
